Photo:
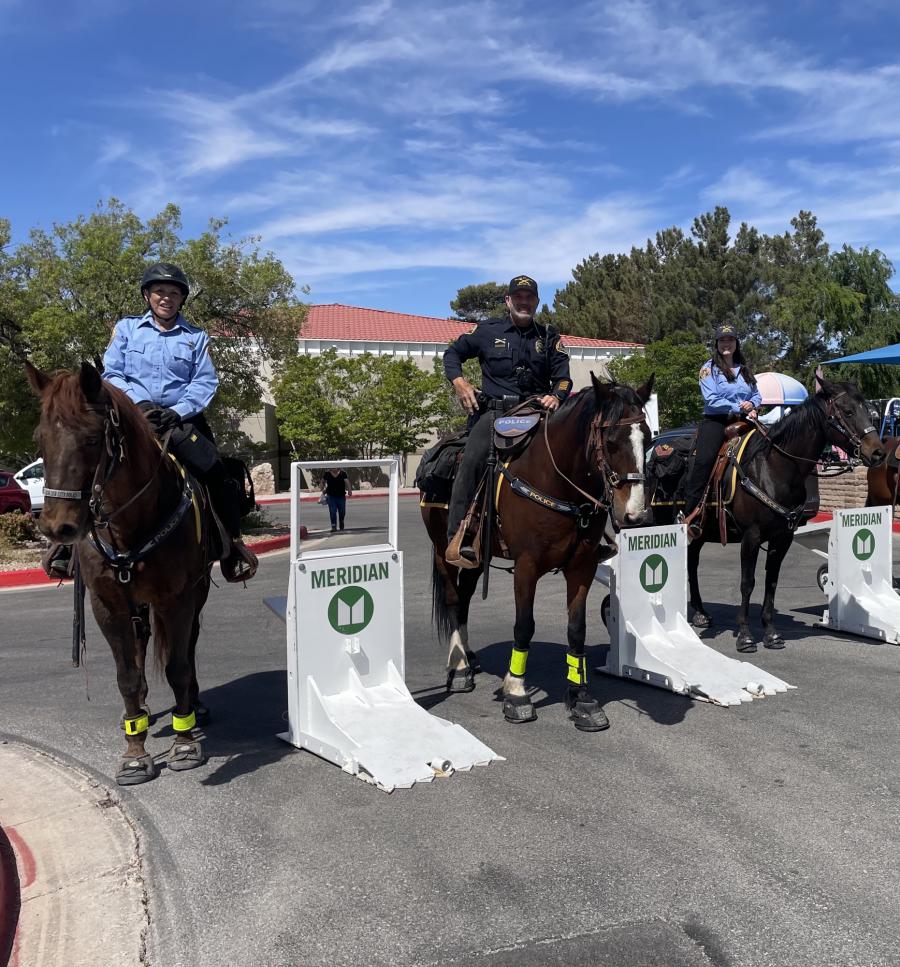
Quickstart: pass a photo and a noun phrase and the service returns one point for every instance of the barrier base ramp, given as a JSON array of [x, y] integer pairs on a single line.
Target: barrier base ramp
[[873, 612], [379, 734], [676, 659]]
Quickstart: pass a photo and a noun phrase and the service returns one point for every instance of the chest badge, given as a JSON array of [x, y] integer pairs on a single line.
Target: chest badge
[[499, 344], [539, 345]]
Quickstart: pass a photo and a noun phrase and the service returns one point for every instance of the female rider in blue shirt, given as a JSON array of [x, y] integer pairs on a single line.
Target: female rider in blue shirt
[[729, 393]]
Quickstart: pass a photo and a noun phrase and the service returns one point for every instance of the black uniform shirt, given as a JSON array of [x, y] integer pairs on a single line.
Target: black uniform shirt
[[514, 361]]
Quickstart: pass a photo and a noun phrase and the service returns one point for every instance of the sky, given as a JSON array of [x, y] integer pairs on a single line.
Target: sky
[[390, 152]]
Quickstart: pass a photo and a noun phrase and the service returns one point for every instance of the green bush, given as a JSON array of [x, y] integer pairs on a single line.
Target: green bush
[[17, 528], [256, 520]]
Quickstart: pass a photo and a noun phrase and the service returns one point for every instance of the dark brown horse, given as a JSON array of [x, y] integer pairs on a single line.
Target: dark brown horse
[[881, 481], [777, 466], [141, 536], [590, 461]]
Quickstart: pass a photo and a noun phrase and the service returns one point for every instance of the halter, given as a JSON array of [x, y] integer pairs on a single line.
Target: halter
[[836, 419]]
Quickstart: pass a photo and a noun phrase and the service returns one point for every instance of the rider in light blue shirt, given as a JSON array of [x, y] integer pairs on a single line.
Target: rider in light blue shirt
[[722, 397], [169, 367]]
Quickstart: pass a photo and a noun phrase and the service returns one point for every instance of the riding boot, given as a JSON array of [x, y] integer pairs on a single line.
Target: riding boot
[[238, 562], [57, 561], [467, 479]]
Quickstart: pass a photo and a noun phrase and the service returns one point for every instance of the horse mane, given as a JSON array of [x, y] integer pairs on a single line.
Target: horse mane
[[586, 404], [64, 401]]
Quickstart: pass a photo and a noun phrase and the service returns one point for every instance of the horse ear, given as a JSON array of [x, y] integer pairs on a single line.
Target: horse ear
[[646, 390], [39, 381], [826, 387], [91, 383], [601, 390]]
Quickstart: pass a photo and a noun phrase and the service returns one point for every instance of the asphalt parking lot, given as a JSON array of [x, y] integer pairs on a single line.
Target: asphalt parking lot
[[685, 835]]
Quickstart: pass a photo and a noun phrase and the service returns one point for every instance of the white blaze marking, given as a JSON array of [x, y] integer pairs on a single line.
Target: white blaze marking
[[635, 503], [513, 685]]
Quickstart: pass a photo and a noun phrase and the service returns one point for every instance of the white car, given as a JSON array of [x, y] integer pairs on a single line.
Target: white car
[[31, 478]]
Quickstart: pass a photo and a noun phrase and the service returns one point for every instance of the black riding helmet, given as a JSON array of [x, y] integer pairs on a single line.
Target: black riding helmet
[[165, 272]]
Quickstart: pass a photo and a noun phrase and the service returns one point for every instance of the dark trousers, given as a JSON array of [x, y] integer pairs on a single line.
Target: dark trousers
[[710, 437], [195, 446], [471, 470], [337, 507]]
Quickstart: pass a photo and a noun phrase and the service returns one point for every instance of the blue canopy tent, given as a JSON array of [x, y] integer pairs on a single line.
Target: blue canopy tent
[[886, 356]]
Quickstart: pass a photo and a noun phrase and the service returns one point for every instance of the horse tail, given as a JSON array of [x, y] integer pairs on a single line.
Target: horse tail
[[440, 611], [162, 646]]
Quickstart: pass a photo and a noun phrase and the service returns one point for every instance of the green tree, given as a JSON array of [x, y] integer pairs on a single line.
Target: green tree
[[66, 288], [482, 301], [676, 361]]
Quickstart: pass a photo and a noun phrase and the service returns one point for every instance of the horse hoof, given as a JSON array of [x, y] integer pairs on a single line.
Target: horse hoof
[[746, 644], [144, 709], [462, 680], [474, 663], [518, 709], [775, 642], [201, 713], [185, 754], [701, 620], [589, 716], [134, 771]]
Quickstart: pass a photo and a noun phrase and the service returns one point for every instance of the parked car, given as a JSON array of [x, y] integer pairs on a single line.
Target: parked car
[[32, 479], [12, 496]]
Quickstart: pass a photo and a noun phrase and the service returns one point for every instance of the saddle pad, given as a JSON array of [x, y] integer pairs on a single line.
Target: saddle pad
[[514, 426]]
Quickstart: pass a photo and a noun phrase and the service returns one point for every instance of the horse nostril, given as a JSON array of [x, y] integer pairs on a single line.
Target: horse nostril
[[66, 533]]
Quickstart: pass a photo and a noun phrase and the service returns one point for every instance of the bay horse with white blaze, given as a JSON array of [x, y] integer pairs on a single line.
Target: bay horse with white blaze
[[140, 527], [588, 460]]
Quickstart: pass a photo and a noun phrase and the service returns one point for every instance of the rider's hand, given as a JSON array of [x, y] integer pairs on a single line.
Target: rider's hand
[[750, 414], [465, 393], [164, 419], [145, 406], [747, 406], [550, 403]]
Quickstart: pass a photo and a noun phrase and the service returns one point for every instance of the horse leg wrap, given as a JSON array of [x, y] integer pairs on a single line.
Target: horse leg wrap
[[517, 662], [184, 723], [577, 674], [137, 724]]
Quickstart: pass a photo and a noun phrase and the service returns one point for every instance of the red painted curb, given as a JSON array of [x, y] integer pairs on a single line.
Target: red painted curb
[[312, 498], [10, 898]]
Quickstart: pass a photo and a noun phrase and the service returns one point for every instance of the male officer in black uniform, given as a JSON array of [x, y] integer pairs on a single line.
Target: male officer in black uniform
[[518, 359]]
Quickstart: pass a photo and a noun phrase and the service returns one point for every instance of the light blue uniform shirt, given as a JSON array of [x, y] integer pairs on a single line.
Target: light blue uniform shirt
[[168, 367], [721, 397]]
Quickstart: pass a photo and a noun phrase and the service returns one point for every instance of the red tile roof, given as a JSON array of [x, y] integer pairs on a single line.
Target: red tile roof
[[339, 322]]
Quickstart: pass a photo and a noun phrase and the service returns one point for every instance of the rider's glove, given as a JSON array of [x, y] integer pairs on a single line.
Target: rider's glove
[[164, 419], [145, 406]]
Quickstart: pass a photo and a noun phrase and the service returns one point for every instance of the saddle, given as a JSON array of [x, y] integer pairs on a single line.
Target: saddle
[[514, 430]]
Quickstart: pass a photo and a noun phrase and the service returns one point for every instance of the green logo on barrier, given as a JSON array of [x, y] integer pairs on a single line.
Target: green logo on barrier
[[350, 610], [654, 573], [863, 544]]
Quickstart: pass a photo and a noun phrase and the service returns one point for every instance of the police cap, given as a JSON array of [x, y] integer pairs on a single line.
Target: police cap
[[726, 329], [522, 283], [165, 272]]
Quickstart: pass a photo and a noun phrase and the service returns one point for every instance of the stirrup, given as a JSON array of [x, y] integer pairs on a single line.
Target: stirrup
[[241, 563]]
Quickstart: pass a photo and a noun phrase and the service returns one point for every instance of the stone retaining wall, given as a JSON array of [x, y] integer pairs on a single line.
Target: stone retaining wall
[[847, 490]]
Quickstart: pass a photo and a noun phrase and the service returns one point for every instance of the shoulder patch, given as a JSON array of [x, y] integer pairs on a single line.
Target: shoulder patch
[[468, 332], [706, 371], [560, 348]]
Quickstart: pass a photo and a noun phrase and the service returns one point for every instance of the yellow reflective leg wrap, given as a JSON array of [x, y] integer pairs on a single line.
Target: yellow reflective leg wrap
[[517, 662], [136, 725], [183, 723], [577, 669]]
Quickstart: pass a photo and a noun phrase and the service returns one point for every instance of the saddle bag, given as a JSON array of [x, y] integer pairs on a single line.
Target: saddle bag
[[668, 468], [439, 465]]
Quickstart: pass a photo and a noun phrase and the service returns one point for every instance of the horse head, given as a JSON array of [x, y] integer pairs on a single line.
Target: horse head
[[851, 418], [74, 438], [619, 439]]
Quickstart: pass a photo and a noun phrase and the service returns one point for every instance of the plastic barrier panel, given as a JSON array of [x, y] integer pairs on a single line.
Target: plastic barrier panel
[[650, 638], [347, 700], [860, 589]]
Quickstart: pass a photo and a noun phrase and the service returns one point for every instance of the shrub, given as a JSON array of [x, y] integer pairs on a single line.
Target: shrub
[[17, 528], [256, 520]]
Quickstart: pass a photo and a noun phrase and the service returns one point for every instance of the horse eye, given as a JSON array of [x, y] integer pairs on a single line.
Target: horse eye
[[92, 441]]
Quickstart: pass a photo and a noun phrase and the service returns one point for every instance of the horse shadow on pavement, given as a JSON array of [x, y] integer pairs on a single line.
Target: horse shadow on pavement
[[546, 678], [245, 716]]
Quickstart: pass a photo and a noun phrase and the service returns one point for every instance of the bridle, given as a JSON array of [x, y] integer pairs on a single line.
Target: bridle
[[112, 456]]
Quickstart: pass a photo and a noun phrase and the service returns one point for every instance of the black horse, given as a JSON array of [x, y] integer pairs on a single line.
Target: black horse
[[771, 492], [590, 459]]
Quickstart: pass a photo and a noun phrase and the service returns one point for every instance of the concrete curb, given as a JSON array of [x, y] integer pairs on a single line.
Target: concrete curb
[[78, 882], [284, 498]]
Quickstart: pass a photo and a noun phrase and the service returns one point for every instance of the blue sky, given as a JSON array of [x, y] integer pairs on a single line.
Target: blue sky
[[390, 152]]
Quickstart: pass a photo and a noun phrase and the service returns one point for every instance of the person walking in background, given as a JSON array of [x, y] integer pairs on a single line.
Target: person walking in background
[[336, 488]]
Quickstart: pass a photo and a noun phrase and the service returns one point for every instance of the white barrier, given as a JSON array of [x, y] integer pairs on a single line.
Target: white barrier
[[860, 589], [347, 700], [650, 638]]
